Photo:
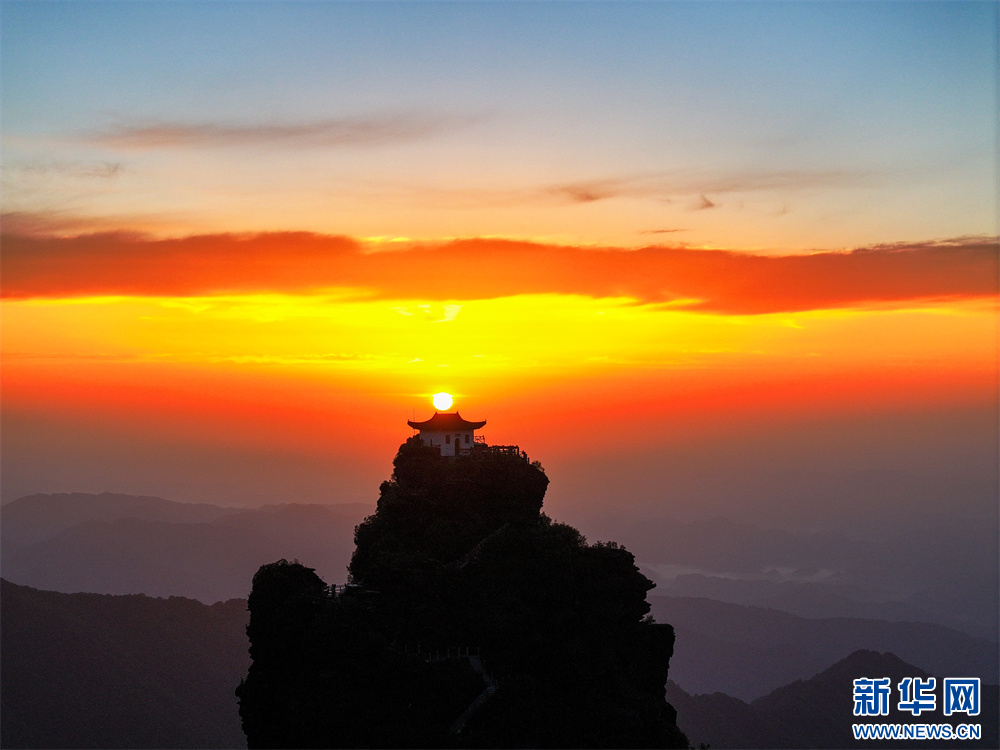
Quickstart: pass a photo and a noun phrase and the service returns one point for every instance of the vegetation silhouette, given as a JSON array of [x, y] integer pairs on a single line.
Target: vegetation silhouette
[[471, 619]]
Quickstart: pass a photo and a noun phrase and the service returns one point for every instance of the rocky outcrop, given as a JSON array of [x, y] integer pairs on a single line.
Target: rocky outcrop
[[559, 650]]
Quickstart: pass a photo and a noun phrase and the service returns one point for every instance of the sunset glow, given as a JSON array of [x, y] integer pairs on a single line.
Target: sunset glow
[[614, 230]]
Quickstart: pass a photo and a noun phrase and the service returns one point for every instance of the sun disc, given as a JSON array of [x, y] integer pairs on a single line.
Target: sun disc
[[442, 401]]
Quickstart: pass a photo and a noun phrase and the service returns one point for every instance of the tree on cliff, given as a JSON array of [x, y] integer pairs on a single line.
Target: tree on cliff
[[472, 620]]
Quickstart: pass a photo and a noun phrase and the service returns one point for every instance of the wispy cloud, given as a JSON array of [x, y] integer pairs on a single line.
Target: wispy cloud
[[671, 277], [78, 169], [704, 203], [685, 187], [68, 223], [595, 190], [373, 130]]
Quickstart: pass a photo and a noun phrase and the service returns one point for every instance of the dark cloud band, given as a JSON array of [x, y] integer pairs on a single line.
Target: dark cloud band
[[703, 280], [345, 131]]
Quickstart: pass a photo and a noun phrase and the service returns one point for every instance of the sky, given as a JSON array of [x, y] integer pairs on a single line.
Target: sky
[[696, 258]]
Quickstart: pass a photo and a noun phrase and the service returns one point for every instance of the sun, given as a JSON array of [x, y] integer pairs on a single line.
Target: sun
[[442, 401]]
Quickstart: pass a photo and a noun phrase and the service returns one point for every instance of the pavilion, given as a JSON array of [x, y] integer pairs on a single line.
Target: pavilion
[[449, 432]]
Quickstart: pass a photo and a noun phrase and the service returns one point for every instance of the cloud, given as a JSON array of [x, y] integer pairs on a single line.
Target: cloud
[[662, 231], [78, 169], [481, 268], [668, 186], [593, 190], [344, 131], [65, 223]]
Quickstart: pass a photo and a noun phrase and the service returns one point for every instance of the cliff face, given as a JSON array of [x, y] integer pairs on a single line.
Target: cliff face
[[536, 639]]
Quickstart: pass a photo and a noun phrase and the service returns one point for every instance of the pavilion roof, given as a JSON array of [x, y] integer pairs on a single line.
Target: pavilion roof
[[446, 422]]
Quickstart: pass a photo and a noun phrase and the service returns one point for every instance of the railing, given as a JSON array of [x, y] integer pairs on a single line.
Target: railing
[[479, 444], [499, 450], [509, 450], [438, 654], [453, 652], [339, 589]]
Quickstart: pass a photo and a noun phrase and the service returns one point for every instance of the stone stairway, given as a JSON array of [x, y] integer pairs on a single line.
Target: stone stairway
[[491, 688]]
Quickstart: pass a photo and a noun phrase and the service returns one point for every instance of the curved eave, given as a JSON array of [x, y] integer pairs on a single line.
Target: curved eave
[[447, 422]]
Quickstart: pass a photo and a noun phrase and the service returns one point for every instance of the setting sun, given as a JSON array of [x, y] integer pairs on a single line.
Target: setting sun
[[442, 401]]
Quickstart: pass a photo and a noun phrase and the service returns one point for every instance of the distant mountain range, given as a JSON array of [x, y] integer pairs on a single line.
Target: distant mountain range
[[747, 652], [122, 544], [942, 569], [818, 712], [938, 570], [100, 671]]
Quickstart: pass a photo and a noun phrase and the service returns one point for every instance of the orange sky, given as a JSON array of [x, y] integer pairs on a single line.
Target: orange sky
[[317, 349]]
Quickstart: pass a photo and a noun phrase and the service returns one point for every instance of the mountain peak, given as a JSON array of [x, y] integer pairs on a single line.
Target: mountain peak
[[472, 620]]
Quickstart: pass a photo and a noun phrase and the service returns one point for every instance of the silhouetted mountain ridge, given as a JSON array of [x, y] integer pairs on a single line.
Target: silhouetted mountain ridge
[[34, 518], [94, 670], [120, 544], [557, 649], [166, 668], [748, 651], [942, 569]]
